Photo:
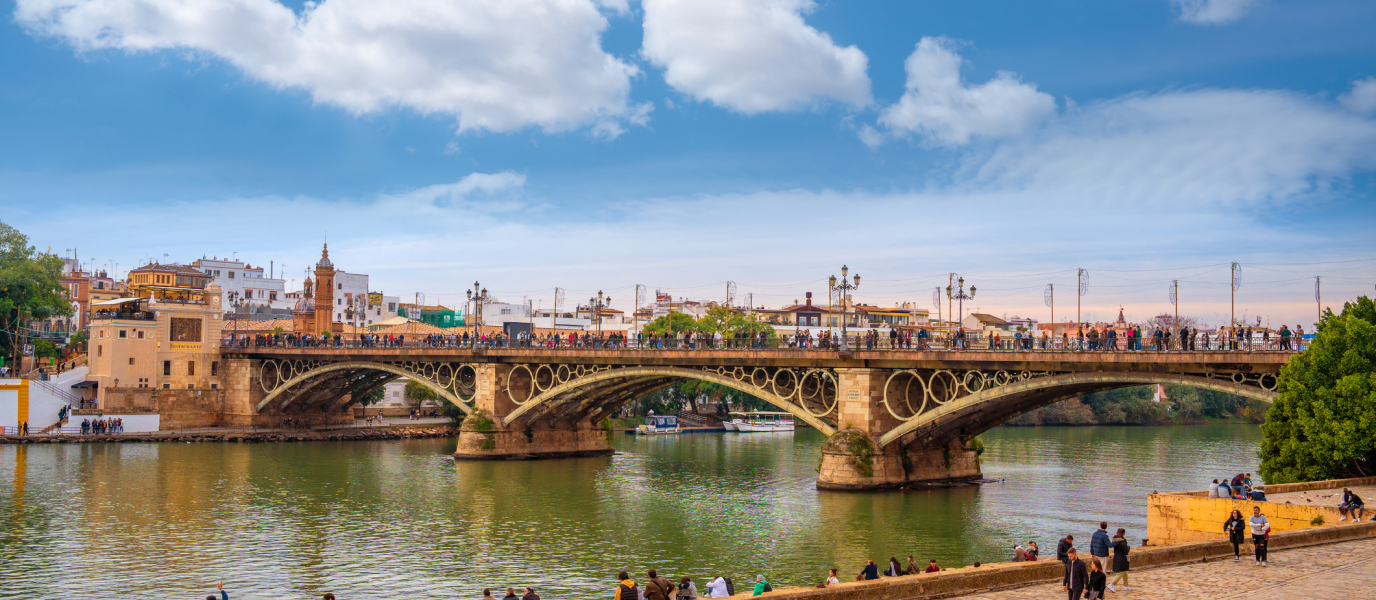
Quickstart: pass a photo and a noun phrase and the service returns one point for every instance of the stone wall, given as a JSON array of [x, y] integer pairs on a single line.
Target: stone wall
[[972, 580], [1192, 516], [179, 409], [894, 467]]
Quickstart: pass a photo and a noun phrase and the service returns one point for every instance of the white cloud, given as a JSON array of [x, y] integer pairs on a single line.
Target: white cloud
[[1240, 149], [751, 55], [940, 106], [1362, 98], [498, 65], [1213, 12]]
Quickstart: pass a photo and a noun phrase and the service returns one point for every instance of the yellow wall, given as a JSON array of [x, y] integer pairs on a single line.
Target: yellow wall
[[1177, 518]]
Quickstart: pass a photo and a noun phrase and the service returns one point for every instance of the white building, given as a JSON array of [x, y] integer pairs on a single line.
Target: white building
[[350, 293], [245, 282]]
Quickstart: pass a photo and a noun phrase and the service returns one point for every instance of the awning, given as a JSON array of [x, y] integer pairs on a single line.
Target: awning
[[391, 322], [85, 384], [115, 302]]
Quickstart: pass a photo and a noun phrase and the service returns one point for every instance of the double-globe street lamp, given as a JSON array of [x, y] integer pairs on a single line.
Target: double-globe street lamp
[[476, 296], [843, 288], [958, 293]]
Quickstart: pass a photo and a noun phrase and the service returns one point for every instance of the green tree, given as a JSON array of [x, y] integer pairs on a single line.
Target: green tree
[[30, 288], [1323, 423], [372, 397], [45, 349], [419, 394], [674, 322]]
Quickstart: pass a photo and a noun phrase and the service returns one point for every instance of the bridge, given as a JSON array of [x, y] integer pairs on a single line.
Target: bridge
[[894, 417]]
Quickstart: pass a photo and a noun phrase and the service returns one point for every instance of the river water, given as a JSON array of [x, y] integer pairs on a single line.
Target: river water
[[401, 520]]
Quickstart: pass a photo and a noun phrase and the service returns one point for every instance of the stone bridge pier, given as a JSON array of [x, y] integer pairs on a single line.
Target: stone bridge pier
[[488, 433], [854, 459]]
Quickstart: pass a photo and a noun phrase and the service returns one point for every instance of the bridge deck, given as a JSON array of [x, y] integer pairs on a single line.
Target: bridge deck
[[1263, 361]]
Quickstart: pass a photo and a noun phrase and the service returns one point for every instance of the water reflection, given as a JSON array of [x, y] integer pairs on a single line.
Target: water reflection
[[401, 520]]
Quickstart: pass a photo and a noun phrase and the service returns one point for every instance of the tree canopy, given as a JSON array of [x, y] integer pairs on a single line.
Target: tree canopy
[[30, 287], [717, 319], [1323, 423]]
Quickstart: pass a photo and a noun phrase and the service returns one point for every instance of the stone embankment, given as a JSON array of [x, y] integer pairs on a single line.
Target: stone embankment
[[244, 436]]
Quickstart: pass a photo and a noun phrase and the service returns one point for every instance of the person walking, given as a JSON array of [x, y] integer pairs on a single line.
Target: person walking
[[1076, 576], [1234, 527], [1120, 561], [656, 587], [1099, 542], [1097, 578], [625, 588], [1261, 533], [715, 588], [761, 586]]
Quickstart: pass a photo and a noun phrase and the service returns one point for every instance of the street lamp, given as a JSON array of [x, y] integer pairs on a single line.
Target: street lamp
[[843, 288], [596, 305], [477, 296], [957, 293]]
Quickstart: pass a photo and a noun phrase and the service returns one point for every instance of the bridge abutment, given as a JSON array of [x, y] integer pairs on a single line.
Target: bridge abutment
[[483, 436], [853, 460]]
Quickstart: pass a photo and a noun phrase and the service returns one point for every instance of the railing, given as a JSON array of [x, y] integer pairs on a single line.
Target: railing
[[106, 315], [782, 342]]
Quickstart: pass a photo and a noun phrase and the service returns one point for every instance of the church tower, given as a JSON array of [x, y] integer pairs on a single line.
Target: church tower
[[324, 293]]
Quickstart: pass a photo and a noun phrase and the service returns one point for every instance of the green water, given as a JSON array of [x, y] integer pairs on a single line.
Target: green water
[[401, 520]]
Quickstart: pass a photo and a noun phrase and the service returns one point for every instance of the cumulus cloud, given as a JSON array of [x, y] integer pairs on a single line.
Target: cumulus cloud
[[497, 65], [1362, 98], [752, 56], [941, 107], [1213, 12], [1192, 148]]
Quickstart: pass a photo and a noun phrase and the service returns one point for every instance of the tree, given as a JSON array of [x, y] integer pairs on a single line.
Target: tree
[[30, 288], [674, 322], [1323, 422], [419, 394], [372, 397]]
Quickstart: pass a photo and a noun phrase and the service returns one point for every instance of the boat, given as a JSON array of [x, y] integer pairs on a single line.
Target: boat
[[659, 425], [756, 421]]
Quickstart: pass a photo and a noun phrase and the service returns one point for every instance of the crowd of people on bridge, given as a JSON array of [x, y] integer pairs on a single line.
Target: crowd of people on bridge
[[1095, 338]]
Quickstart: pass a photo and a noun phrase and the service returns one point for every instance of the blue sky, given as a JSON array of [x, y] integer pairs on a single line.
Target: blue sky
[[595, 145]]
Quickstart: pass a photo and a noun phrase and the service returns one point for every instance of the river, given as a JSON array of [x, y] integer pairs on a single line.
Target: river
[[401, 520]]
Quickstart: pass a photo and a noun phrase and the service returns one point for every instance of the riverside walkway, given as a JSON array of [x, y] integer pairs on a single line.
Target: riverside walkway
[[1341, 570]]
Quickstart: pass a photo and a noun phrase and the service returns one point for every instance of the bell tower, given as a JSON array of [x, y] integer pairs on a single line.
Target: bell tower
[[324, 293]]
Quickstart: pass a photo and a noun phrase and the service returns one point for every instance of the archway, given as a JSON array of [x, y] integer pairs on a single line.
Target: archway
[[320, 374]]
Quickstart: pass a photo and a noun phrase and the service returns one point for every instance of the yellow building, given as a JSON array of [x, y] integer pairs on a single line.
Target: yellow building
[[175, 283], [163, 342]]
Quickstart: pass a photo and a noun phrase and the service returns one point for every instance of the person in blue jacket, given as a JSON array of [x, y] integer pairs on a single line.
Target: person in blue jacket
[[1099, 544]]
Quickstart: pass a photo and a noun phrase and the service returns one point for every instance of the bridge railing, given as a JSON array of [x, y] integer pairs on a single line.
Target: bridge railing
[[989, 343]]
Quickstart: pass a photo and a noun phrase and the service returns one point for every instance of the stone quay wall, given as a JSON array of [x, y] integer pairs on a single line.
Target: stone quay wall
[[179, 409], [996, 576], [1178, 517], [243, 436]]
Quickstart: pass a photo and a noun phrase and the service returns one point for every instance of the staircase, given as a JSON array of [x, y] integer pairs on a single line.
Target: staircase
[[55, 426], [691, 419]]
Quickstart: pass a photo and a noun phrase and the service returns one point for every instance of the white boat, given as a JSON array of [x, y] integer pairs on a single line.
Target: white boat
[[659, 425], [755, 421], [729, 425]]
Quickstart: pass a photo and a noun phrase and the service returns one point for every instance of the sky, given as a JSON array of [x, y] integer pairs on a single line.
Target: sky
[[680, 144]]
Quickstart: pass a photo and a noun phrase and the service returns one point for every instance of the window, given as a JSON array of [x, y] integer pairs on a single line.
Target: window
[[341, 286], [190, 367], [214, 368], [272, 295], [391, 307], [167, 368], [131, 361], [339, 301], [140, 335], [186, 330], [123, 334], [166, 386], [212, 386], [102, 333], [190, 386], [100, 350], [231, 274]]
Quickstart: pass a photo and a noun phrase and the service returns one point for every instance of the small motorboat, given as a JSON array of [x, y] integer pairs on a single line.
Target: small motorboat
[[659, 425], [758, 421]]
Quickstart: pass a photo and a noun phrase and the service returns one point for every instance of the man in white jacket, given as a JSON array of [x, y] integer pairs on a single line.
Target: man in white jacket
[[718, 588]]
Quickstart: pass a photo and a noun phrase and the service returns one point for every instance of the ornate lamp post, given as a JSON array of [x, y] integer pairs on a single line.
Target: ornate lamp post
[[958, 293], [477, 296], [596, 305], [843, 288]]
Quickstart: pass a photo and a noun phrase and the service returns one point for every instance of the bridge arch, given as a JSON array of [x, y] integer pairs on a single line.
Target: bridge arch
[[313, 376], [980, 411], [600, 383]]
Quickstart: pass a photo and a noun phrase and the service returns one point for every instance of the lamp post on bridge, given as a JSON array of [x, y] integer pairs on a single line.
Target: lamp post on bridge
[[596, 305], [843, 288], [958, 293], [476, 296]]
